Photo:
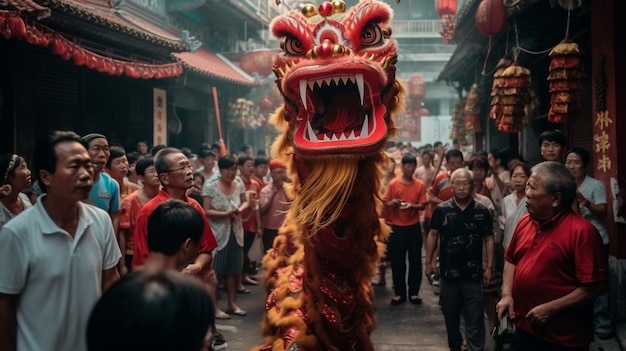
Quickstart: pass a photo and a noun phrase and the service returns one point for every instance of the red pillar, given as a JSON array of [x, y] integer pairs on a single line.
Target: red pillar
[[608, 119]]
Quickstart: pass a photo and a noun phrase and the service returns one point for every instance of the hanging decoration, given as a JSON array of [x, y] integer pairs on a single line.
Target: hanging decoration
[[472, 110], [514, 96], [490, 18], [258, 62], [446, 10], [245, 114], [565, 77], [416, 91], [496, 89], [14, 26], [458, 131]]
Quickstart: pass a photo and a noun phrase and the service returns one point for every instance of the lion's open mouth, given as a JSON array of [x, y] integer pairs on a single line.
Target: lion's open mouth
[[338, 111]]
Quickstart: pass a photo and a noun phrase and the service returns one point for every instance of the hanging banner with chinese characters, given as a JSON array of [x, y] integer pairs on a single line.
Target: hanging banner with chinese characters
[[602, 123], [159, 135]]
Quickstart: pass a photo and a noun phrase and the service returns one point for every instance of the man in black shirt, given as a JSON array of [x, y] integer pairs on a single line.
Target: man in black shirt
[[462, 226]]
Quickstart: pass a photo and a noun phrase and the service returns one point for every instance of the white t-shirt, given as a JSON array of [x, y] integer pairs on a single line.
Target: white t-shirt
[[57, 277], [6, 215]]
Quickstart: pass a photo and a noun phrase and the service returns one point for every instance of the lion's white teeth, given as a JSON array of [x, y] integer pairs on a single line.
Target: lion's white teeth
[[359, 84], [365, 127], [303, 85], [311, 132]]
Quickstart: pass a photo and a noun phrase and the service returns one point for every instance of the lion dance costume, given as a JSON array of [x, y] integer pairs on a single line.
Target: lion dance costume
[[336, 73]]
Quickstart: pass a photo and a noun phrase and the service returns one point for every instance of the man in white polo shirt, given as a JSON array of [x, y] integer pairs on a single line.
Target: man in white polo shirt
[[58, 256]]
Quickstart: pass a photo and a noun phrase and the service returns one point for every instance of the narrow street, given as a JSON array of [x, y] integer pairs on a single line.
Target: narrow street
[[400, 328]]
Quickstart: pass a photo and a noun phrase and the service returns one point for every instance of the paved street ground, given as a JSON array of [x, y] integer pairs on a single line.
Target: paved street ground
[[400, 328]]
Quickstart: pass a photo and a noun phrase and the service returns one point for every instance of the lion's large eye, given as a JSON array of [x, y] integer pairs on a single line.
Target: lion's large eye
[[371, 35], [294, 46]]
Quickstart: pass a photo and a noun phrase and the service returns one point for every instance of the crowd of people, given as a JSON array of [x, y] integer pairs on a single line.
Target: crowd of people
[[502, 239], [498, 238], [175, 226]]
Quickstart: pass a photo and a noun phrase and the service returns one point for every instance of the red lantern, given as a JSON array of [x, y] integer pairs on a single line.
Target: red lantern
[[58, 46], [259, 61], [265, 104], [445, 7], [79, 57], [131, 70], [148, 73], [417, 87], [17, 27], [416, 90], [490, 17], [423, 112]]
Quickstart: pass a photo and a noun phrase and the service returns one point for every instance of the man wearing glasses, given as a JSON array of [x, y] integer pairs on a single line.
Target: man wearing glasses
[[175, 173], [462, 225], [176, 176]]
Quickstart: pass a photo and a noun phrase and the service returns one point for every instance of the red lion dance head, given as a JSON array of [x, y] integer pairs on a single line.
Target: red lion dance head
[[336, 73]]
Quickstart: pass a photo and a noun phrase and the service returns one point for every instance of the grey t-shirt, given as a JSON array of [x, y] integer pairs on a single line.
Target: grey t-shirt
[[595, 192]]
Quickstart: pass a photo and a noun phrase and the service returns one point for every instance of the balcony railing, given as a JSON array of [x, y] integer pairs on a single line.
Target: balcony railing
[[415, 27]]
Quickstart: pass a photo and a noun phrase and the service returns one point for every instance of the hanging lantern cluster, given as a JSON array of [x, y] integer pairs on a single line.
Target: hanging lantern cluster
[[245, 114], [566, 74], [496, 89], [13, 26], [446, 10], [472, 110], [514, 96], [458, 131]]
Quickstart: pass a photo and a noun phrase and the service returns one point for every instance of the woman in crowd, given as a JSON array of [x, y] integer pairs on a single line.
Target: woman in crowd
[[15, 179], [224, 199], [480, 167], [514, 204], [592, 204], [500, 179]]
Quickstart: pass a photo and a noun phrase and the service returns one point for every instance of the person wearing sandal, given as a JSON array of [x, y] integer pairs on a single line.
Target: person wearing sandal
[[462, 225], [404, 199], [224, 201]]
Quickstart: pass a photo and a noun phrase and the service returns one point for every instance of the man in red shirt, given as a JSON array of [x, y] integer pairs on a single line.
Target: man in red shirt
[[405, 197], [555, 267], [176, 176], [251, 218]]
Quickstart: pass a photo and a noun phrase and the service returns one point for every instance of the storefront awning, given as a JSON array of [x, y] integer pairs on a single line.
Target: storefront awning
[[100, 13], [209, 64]]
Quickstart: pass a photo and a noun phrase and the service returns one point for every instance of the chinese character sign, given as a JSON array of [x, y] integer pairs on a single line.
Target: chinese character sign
[[160, 117]]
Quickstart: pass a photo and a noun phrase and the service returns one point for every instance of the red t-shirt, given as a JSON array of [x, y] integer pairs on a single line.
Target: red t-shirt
[[414, 193], [129, 211], [440, 188], [207, 242], [248, 216], [551, 260]]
